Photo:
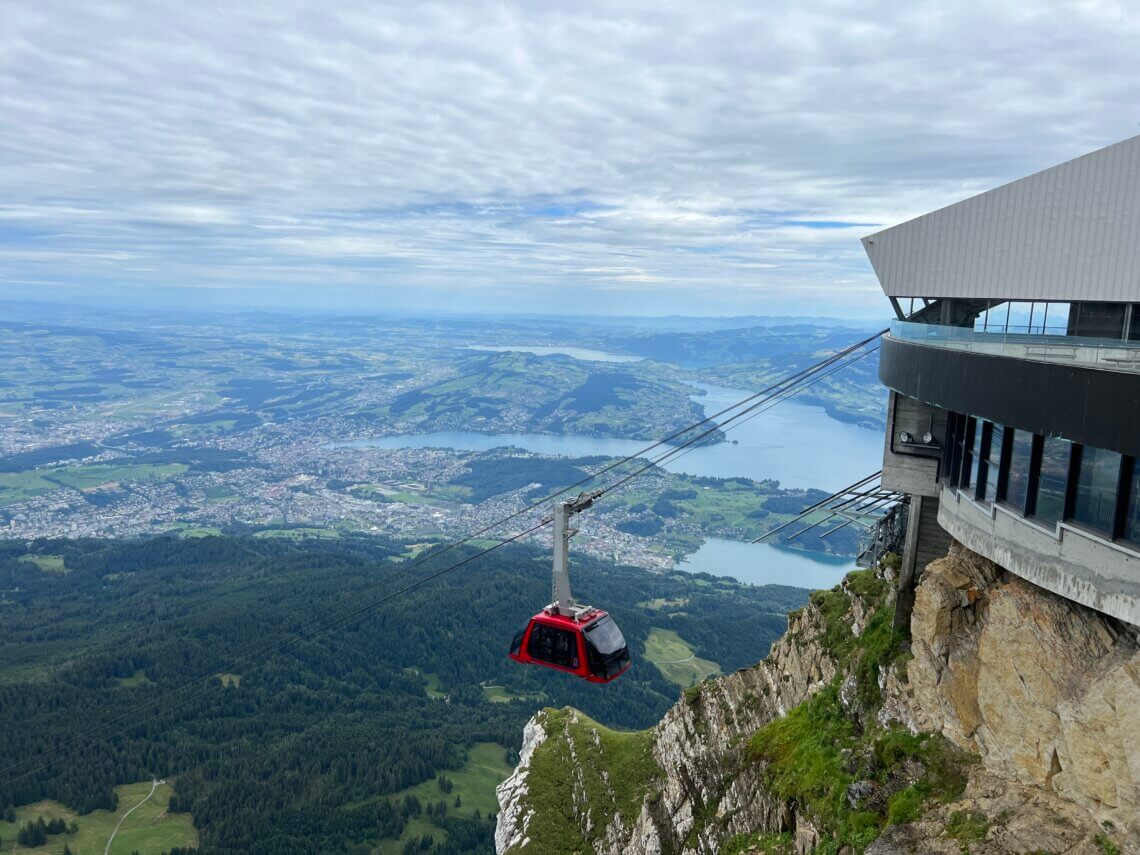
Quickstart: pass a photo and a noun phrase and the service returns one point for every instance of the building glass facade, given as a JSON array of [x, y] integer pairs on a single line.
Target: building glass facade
[[1098, 476], [991, 474], [1131, 525], [1048, 479], [1044, 478], [1020, 456]]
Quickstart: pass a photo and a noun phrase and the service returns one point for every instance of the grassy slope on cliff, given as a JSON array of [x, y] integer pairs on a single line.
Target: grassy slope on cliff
[[585, 768], [829, 760], [829, 756]]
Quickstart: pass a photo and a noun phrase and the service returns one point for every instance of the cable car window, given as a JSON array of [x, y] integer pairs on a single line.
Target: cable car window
[[556, 646], [606, 649], [605, 636], [516, 644]]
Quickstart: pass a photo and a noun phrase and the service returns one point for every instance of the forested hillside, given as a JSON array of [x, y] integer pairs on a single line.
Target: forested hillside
[[314, 748]]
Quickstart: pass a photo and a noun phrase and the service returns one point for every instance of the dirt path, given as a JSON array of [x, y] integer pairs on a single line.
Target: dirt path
[[111, 839]]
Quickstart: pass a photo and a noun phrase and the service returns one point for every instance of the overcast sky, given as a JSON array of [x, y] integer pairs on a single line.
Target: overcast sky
[[553, 157]]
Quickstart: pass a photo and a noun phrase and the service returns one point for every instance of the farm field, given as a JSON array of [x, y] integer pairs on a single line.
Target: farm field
[[149, 828], [17, 486], [675, 659], [474, 784], [499, 695]]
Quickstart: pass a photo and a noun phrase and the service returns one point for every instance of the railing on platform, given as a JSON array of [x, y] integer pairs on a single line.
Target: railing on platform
[[887, 535], [1105, 353]]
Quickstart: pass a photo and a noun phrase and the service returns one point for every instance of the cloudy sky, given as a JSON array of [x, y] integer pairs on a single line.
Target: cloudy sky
[[698, 157]]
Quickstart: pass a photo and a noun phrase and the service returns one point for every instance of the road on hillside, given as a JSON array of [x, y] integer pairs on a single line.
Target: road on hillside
[[111, 839]]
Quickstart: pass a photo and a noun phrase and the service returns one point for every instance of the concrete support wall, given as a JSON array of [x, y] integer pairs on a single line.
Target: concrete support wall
[[1062, 558], [908, 469], [926, 540]]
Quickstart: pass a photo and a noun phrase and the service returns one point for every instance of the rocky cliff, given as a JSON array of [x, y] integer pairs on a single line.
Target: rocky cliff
[[1008, 720]]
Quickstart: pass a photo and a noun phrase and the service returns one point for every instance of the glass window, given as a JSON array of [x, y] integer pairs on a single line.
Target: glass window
[[557, 646], [952, 448], [1097, 478], [1020, 317], [1017, 479], [1056, 318], [1049, 501], [1097, 320], [516, 643], [993, 462], [605, 635], [606, 650], [1132, 518], [970, 471]]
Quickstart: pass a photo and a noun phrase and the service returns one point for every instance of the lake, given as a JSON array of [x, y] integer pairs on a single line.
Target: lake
[[766, 564], [583, 353], [797, 444]]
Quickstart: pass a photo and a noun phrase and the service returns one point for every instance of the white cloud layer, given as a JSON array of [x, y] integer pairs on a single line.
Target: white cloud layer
[[703, 157]]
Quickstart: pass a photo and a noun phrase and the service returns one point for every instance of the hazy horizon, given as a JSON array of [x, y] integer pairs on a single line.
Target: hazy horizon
[[711, 160]]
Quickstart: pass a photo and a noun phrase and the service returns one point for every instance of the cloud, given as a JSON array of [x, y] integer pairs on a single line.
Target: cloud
[[729, 153]]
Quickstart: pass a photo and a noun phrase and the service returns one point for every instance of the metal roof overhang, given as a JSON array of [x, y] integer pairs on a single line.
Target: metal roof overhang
[[1071, 232]]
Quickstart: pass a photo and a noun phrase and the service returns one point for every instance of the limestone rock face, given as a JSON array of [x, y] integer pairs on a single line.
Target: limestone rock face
[[1043, 692], [706, 794], [510, 830], [1047, 692]]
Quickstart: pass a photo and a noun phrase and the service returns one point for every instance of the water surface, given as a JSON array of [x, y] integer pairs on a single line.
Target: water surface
[[583, 353], [766, 564], [798, 445]]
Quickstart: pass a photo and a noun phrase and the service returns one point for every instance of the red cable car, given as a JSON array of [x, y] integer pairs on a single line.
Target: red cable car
[[579, 640]]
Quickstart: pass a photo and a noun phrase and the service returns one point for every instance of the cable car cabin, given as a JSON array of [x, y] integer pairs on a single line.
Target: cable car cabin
[[565, 636], [591, 647]]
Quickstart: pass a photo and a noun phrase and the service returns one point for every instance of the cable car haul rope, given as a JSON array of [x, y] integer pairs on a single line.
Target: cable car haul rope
[[579, 640]]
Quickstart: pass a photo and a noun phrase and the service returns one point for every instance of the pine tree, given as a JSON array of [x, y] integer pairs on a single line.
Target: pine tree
[[458, 801]]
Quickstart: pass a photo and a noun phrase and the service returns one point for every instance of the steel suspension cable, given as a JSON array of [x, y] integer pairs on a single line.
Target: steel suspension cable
[[770, 396]]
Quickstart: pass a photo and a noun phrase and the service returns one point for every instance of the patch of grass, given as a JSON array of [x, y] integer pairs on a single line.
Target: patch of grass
[[230, 680], [299, 533], [867, 585], [196, 531], [139, 678], [89, 477], [18, 486], [675, 659], [148, 829], [876, 648], [47, 563], [613, 770], [663, 603], [417, 826], [761, 843], [834, 606], [1107, 847], [905, 805], [499, 695], [968, 826], [413, 550], [433, 686], [474, 783], [802, 752], [804, 763]]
